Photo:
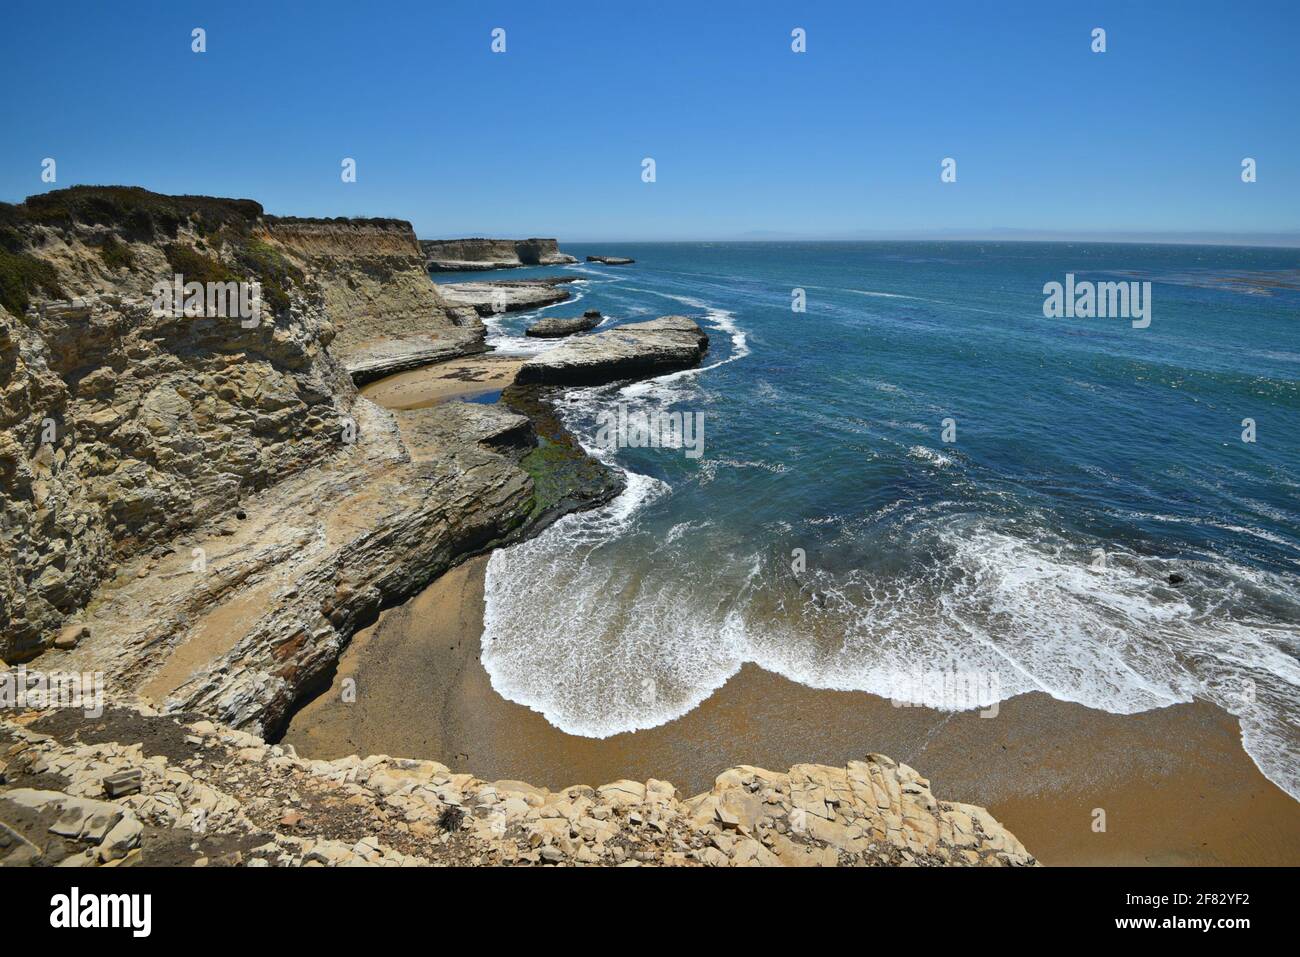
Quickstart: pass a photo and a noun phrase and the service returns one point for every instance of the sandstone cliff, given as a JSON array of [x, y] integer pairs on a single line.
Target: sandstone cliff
[[371, 273], [121, 426], [464, 255]]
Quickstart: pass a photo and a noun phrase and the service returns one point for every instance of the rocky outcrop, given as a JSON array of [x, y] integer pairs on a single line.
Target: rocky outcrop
[[611, 260], [199, 792], [507, 295], [123, 426], [554, 327], [637, 349], [242, 617], [466, 255]]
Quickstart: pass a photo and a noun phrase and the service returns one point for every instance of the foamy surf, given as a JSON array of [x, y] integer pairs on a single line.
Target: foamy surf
[[626, 648], [500, 327]]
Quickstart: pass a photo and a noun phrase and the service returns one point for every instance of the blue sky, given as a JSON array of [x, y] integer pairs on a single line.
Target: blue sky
[[750, 139]]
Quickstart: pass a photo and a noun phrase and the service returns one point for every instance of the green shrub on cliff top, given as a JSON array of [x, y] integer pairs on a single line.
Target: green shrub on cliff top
[[272, 269], [254, 260], [116, 254], [196, 267], [20, 276], [137, 212]]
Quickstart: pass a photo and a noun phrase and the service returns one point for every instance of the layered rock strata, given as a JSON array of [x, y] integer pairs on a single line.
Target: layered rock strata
[[240, 618], [123, 425], [372, 276], [467, 255]]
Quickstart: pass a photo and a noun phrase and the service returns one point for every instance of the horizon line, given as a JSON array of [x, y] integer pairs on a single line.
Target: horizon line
[[1244, 240]]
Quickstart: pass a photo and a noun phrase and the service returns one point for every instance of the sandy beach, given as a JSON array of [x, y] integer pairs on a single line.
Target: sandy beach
[[1175, 784], [458, 378]]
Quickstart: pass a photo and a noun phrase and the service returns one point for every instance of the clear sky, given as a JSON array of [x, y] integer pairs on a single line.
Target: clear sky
[[750, 139]]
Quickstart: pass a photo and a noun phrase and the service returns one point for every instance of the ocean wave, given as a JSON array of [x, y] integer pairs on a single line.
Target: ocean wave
[[1027, 613], [937, 459], [597, 275], [885, 295]]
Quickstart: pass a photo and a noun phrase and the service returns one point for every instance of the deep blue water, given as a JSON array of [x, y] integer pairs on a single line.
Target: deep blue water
[[823, 432]]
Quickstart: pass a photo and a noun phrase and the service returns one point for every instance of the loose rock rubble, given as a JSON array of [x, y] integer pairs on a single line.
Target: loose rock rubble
[[211, 795]]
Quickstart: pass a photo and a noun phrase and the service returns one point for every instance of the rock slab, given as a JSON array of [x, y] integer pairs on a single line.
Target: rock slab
[[638, 349], [554, 327]]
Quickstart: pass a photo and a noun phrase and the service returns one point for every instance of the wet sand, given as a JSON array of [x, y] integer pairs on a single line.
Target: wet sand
[[455, 379], [1175, 784]]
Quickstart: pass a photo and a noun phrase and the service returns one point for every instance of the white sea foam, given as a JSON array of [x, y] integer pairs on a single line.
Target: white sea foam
[[885, 295], [1034, 615], [929, 455], [506, 343]]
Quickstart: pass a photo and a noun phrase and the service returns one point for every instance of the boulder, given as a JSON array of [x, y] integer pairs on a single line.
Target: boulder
[[555, 327], [123, 783], [70, 636]]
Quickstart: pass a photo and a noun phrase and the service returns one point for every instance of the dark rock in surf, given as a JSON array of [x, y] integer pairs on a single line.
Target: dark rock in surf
[[554, 327]]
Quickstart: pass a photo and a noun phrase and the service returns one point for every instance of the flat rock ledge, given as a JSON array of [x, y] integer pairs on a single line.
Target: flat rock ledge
[[198, 793], [374, 360], [554, 327], [506, 295], [611, 260], [635, 350]]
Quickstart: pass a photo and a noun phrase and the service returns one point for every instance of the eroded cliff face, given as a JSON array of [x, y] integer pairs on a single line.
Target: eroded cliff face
[[372, 277], [121, 424], [461, 255]]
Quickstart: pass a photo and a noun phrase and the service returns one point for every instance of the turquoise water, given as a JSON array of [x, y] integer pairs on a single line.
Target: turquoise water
[[824, 432]]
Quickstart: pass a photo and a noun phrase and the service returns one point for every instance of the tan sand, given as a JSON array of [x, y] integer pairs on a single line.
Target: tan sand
[[1175, 784], [455, 379]]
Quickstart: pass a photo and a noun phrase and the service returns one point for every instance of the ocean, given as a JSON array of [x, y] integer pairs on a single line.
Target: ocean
[[922, 488]]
